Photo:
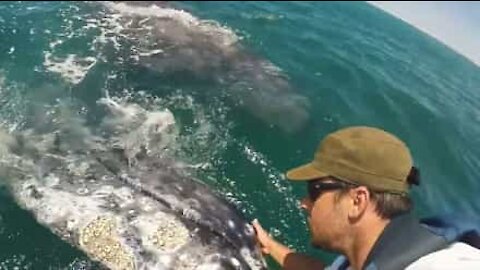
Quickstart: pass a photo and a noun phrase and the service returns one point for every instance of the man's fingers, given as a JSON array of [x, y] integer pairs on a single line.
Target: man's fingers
[[256, 225], [262, 236]]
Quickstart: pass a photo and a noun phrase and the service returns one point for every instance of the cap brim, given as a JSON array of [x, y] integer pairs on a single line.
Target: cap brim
[[305, 173]]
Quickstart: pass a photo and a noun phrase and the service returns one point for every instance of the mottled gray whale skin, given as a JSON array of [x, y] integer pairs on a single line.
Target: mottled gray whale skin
[[128, 211], [168, 40]]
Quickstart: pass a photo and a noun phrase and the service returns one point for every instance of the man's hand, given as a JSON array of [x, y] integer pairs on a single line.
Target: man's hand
[[263, 238], [287, 258]]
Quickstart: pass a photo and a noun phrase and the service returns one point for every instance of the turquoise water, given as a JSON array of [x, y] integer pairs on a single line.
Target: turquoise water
[[354, 64]]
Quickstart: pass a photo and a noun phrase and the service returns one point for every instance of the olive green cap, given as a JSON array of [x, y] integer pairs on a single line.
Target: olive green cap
[[361, 155]]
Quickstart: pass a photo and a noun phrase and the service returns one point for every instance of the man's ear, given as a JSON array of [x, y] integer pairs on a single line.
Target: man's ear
[[359, 202]]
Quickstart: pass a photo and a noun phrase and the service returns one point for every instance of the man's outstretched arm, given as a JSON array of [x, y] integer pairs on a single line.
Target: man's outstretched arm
[[286, 257]]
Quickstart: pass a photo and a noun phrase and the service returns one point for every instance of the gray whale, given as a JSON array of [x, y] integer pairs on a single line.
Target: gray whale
[[120, 201]]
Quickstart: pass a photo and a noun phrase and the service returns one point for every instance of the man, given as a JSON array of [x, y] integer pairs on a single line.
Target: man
[[358, 206]]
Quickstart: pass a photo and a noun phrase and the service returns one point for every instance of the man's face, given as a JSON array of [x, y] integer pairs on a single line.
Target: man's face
[[326, 213]]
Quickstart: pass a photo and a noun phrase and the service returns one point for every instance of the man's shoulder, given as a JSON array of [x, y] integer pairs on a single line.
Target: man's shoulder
[[456, 256]]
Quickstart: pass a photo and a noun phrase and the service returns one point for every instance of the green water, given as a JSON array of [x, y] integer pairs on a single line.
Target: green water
[[355, 64]]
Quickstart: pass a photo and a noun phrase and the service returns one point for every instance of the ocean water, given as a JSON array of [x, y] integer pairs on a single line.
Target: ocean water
[[253, 87]]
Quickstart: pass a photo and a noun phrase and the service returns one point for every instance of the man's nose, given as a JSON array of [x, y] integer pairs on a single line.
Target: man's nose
[[305, 204]]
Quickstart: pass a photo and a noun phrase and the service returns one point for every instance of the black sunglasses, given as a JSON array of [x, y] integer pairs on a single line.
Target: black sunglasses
[[316, 187]]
